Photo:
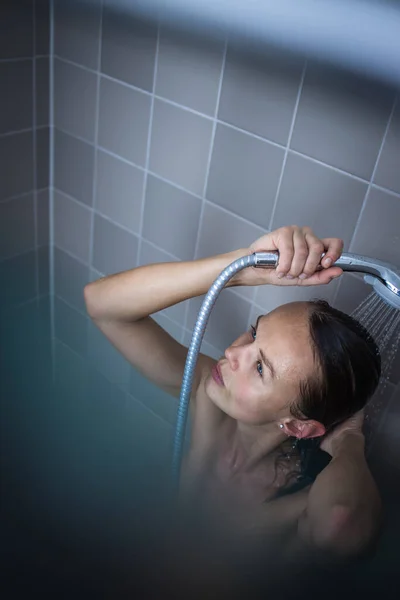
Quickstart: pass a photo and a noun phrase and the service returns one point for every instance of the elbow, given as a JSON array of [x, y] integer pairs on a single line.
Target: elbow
[[348, 534], [90, 301]]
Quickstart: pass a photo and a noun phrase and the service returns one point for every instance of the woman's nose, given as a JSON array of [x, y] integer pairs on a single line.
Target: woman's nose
[[232, 356]]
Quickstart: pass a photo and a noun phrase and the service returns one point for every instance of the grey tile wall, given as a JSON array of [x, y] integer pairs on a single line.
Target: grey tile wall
[[227, 145], [24, 150]]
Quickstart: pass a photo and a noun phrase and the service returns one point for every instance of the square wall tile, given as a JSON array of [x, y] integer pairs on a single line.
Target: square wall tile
[[388, 171], [124, 121], [152, 397], [74, 99], [106, 359], [128, 48], [150, 255], [189, 69], [324, 199], [244, 174], [223, 232], [73, 167], [43, 227], [17, 279], [16, 101], [269, 297], [70, 327], [42, 91], [162, 201], [16, 29], [42, 157], [259, 92], [71, 226], [77, 31], [70, 277], [16, 159], [180, 146], [378, 231], [43, 270], [341, 120], [228, 319], [119, 191], [114, 249], [42, 25], [206, 348], [17, 226]]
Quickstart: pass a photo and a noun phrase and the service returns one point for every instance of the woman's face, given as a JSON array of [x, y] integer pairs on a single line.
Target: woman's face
[[259, 377]]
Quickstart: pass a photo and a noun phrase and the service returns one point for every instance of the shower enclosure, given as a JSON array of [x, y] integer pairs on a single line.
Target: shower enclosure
[[124, 142]]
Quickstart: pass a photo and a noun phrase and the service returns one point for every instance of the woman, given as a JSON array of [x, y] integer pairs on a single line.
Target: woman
[[302, 373]]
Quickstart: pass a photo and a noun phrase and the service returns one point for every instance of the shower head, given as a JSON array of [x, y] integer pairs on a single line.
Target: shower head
[[384, 278]]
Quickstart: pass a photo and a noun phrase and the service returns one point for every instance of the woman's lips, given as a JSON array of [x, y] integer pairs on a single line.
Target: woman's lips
[[216, 374]]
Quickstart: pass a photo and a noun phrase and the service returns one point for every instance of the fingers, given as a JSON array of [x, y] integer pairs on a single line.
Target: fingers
[[316, 249], [322, 277], [333, 250]]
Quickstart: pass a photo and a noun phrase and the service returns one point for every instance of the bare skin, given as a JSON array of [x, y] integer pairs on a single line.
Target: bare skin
[[241, 405]]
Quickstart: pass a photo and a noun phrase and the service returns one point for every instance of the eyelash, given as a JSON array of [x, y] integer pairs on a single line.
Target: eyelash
[[259, 364]]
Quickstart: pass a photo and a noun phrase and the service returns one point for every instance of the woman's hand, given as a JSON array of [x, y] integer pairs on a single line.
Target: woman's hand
[[352, 426], [300, 252]]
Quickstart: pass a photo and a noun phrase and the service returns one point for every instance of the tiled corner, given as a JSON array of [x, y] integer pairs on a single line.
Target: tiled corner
[[128, 48], [77, 31], [228, 319], [17, 226], [114, 249], [222, 232], [315, 195], [388, 172], [71, 226], [189, 69], [43, 231], [378, 231], [43, 270], [70, 278], [341, 119], [42, 91], [150, 255], [73, 167], [244, 174], [17, 279], [16, 104], [16, 29], [124, 121], [152, 397], [119, 191], [74, 100], [259, 92], [205, 348], [70, 326], [180, 146], [269, 297], [16, 159], [42, 26], [106, 359], [162, 201], [42, 157]]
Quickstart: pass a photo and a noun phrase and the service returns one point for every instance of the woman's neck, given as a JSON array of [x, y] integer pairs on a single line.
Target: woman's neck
[[251, 444]]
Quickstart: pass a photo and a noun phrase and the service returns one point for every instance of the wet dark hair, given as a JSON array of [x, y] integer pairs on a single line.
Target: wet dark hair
[[350, 367]]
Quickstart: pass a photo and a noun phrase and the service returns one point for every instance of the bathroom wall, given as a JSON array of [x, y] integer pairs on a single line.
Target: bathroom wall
[[24, 151]]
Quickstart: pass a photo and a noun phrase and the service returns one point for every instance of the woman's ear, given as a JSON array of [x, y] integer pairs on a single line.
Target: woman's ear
[[304, 429]]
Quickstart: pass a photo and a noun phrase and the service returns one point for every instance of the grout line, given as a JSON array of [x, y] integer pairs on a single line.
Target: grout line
[[34, 152], [18, 196], [386, 190], [278, 189], [147, 160], [17, 132], [51, 185], [19, 59], [213, 132], [365, 201], [96, 138], [23, 253], [323, 164]]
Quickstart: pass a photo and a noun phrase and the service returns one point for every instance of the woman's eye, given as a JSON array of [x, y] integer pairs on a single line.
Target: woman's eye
[[259, 368], [253, 332]]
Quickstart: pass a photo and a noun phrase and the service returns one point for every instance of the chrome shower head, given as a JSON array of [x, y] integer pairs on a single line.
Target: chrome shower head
[[384, 278]]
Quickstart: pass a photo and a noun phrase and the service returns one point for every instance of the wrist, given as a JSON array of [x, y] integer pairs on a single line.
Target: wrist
[[238, 279]]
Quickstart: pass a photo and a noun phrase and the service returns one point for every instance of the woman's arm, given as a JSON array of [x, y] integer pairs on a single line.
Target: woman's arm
[[343, 509]]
